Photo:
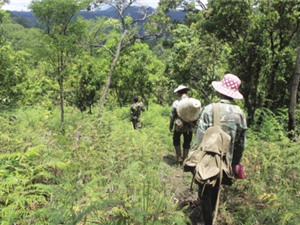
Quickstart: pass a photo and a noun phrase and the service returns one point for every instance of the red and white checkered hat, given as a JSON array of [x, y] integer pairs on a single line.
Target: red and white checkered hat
[[228, 86]]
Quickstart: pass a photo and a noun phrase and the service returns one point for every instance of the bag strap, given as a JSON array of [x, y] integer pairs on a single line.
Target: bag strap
[[193, 180], [219, 191], [216, 122], [216, 114]]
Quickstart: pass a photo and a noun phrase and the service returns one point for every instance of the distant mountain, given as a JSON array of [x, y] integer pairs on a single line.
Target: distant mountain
[[24, 18], [27, 18]]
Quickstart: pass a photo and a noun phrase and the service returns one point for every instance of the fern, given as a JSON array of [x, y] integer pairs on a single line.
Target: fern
[[107, 173]]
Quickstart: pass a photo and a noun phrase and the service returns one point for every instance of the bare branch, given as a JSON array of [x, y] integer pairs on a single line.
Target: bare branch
[[201, 5], [142, 19], [103, 46]]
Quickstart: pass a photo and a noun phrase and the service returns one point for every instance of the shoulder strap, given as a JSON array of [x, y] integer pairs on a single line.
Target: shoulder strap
[[216, 122], [216, 114]]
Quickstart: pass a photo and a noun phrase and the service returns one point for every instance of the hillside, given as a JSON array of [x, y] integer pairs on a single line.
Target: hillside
[[99, 172], [69, 153], [27, 18]]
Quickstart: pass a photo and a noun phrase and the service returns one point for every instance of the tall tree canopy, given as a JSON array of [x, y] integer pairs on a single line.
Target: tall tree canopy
[[64, 33], [260, 36]]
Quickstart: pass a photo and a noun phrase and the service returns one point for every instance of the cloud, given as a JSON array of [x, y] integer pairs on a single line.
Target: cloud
[[17, 5], [21, 5]]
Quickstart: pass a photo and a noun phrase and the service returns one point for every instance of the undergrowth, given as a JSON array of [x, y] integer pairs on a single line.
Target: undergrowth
[[104, 172]]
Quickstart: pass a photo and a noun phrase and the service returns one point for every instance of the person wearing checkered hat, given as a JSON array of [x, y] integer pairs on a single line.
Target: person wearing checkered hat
[[233, 122]]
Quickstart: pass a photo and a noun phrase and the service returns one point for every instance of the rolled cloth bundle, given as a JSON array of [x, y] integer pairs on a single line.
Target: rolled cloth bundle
[[239, 171], [189, 109]]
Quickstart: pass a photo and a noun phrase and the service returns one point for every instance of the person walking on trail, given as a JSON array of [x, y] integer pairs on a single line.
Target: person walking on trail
[[233, 122], [181, 127], [135, 112]]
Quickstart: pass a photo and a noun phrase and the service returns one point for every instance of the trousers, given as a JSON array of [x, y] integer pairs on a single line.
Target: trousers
[[187, 138], [208, 198]]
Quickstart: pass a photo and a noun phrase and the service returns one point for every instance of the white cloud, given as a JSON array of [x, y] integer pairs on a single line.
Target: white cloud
[[152, 3], [17, 5], [21, 5]]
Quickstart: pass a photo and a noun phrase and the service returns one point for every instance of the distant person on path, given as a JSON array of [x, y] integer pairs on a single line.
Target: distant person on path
[[233, 122], [135, 112], [180, 127]]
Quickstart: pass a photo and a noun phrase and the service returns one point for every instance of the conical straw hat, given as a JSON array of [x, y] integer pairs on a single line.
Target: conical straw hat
[[180, 88], [189, 109]]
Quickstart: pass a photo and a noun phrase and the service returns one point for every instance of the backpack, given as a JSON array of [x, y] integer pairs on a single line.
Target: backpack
[[135, 110], [187, 112], [208, 160]]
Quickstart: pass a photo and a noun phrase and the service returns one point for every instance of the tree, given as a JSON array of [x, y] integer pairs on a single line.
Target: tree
[[260, 36], [129, 32], [293, 98], [282, 22], [88, 74], [138, 71], [194, 59], [186, 4], [12, 74], [3, 15], [2, 2], [13, 69], [63, 35], [21, 38]]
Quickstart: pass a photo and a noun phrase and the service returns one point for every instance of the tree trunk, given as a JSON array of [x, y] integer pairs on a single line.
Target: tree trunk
[[62, 96], [61, 89], [113, 65], [293, 98]]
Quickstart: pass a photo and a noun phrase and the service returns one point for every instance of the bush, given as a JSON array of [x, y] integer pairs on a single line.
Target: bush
[[103, 171]]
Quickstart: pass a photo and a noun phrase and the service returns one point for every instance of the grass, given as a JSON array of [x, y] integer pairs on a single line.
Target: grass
[[104, 172]]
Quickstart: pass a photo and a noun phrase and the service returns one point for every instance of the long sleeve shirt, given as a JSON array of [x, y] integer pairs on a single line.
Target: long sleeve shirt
[[232, 121]]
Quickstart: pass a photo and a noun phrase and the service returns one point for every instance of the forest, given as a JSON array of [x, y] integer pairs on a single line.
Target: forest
[[68, 153]]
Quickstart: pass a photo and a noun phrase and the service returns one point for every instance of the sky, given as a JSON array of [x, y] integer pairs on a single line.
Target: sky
[[21, 5]]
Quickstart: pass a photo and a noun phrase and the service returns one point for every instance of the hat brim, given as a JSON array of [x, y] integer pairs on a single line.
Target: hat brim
[[180, 89], [217, 85]]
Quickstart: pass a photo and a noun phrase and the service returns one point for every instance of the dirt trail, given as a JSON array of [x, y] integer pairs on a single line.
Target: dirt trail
[[181, 182]]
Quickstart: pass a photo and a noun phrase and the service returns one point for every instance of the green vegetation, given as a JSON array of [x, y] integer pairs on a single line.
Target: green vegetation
[[63, 163], [107, 173], [100, 171]]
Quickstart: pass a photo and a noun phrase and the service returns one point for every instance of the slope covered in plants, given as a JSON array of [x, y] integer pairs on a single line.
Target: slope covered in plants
[[104, 172]]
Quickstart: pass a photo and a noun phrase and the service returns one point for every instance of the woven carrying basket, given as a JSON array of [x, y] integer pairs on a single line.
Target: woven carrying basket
[[189, 109]]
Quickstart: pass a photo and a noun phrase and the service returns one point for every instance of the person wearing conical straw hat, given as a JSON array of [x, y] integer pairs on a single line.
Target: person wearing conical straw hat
[[183, 127], [233, 122]]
